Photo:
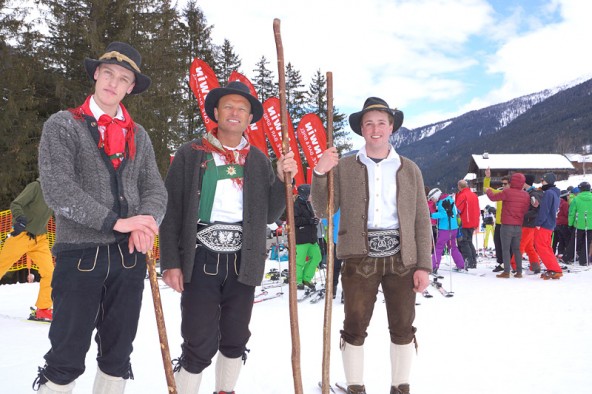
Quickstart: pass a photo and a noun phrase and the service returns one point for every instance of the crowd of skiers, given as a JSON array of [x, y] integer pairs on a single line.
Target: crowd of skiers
[[549, 225]]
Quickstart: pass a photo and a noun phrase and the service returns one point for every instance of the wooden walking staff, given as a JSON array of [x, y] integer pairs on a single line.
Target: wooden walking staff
[[164, 342], [292, 297], [325, 383]]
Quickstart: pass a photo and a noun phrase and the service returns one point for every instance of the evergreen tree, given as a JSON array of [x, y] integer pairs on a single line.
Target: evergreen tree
[[263, 81], [67, 44], [226, 62], [20, 126], [317, 103], [157, 34], [196, 42], [295, 95]]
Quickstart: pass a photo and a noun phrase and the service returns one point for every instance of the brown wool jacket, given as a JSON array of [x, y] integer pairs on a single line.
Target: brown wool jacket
[[351, 196]]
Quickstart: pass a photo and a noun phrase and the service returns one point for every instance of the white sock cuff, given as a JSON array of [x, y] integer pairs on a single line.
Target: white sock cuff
[[402, 357]]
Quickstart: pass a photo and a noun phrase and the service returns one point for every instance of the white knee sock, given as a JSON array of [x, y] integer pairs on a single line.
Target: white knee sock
[[402, 357], [187, 382], [227, 372], [353, 363], [107, 384], [50, 387]]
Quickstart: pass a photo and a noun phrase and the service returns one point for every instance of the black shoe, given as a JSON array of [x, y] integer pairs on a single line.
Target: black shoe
[[300, 286], [498, 268], [310, 285], [356, 389]]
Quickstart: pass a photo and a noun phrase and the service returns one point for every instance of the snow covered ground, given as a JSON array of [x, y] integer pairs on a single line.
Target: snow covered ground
[[494, 336]]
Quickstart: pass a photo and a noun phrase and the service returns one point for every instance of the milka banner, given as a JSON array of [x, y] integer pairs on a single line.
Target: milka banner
[[312, 138], [202, 79], [272, 125], [254, 132]]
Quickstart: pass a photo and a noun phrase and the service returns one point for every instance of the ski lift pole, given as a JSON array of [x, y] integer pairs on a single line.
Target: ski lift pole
[[162, 334], [325, 383], [292, 297]]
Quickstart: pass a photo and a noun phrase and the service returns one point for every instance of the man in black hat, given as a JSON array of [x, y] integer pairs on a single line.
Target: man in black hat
[[99, 175], [222, 193], [384, 239]]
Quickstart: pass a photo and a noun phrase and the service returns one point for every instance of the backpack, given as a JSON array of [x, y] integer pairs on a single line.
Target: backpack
[[448, 207]]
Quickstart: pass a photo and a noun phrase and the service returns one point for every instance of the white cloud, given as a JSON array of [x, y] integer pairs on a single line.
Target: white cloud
[[546, 57], [414, 54]]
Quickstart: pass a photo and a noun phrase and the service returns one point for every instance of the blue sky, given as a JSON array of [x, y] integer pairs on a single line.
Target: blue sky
[[433, 59]]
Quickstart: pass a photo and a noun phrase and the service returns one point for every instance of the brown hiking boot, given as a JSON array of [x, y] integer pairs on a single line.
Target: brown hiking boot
[[535, 268], [552, 275], [503, 275], [518, 275], [402, 389], [356, 389]]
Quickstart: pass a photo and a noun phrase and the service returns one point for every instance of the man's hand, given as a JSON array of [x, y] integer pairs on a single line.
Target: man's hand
[[142, 228], [174, 279], [286, 163], [140, 241], [421, 281], [328, 160], [487, 172]]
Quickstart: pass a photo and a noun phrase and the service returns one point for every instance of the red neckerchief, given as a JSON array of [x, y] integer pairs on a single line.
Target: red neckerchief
[[211, 144], [113, 140]]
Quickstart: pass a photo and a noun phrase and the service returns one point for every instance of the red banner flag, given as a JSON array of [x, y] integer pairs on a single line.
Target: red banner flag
[[202, 79], [272, 125], [254, 132], [312, 138]]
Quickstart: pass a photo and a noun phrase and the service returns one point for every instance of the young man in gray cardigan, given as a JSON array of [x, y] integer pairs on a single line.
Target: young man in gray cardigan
[[99, 175], [384, 239], [222, 193]]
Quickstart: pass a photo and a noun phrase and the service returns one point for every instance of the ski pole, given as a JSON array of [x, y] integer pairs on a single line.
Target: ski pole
[[162, 334], [575, 255], [296, 371], [325, 382], [586, 238]]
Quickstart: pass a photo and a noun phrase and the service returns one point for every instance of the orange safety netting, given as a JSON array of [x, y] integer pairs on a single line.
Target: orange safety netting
[[24, 261]]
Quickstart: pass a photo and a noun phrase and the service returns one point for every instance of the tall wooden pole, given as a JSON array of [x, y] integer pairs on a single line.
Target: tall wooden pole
[[330, 248], [292, 297], [162, 334]]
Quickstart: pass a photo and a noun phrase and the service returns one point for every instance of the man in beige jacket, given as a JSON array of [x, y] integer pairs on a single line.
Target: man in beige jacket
[[384, 239]]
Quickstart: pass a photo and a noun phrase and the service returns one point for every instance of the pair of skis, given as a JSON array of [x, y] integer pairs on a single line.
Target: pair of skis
[[434, 283], [339, 387], [264, 296], [308, 293]]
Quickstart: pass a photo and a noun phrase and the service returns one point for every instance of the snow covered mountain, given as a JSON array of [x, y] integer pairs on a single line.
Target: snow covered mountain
[[489, 119], [557, 120]]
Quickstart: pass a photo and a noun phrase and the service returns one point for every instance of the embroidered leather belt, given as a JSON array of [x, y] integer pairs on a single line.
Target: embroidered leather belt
[[220, 237], [383, 243]]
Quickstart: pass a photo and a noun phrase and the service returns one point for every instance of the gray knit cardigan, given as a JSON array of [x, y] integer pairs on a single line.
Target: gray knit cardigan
[[86, 193], [263, 202], [351, 195]]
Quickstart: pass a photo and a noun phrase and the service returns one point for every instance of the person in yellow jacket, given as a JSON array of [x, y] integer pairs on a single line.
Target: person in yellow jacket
[[30, 215], [498, 219]]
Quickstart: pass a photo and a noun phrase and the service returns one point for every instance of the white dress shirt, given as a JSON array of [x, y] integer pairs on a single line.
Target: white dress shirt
[[382, 188], [228, 200]]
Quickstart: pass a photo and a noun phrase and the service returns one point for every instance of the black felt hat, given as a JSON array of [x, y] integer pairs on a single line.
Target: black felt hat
[[234, 87], [123, 55], [375, 104]]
